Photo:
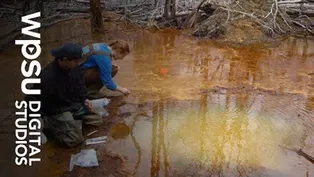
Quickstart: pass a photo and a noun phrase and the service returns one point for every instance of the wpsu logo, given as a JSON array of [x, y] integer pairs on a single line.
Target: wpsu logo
[[27, 123]]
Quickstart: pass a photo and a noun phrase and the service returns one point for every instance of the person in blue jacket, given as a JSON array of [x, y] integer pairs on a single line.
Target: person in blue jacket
[[98, 66]]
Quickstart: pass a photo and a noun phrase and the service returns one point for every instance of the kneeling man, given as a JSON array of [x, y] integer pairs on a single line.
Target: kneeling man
[[64, 96]]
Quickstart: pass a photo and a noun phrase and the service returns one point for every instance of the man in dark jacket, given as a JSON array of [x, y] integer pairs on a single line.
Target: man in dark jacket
[[64, 96]]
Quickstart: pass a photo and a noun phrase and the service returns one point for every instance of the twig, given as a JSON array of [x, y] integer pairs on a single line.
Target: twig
[[212, 31], [157, 27], [299, 24], [293, 2], [89, 134], [199, 6], [276, 24], [95, 142], [240, 6], [228, 17], [306, 17], [136, 11], [52, 16], [132, 22], [284, 20], [167, 22], [157, 7], [271, 11], [290, 149], [300, 152], [276, 11]]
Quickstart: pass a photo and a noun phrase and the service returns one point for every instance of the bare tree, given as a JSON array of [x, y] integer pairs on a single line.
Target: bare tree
[[97, 23]]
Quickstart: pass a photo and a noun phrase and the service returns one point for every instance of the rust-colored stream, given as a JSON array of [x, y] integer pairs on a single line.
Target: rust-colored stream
[[197, 108]]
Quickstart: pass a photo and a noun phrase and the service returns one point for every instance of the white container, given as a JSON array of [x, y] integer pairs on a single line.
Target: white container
[[100, 103]]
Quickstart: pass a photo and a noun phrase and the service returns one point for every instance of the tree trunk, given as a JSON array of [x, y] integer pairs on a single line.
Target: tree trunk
[[97, 23], [170, 9], [166, 11], [173, 9]]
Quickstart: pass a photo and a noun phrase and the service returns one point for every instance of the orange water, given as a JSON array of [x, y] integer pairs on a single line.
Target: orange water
[[199, 108]]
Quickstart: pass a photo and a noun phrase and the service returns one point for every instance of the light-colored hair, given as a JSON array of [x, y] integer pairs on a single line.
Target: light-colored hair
[[119, 45]]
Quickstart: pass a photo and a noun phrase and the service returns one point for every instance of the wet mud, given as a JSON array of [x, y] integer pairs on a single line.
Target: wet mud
[[197, 108]]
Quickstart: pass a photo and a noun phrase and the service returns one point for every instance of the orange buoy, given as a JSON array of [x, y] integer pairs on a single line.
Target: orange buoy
[[163, 71]]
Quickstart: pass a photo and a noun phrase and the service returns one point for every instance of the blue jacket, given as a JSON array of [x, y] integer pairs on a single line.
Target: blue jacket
[[102, 62]]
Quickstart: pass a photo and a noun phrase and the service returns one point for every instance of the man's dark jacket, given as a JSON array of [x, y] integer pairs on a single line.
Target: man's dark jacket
[[61, 90]]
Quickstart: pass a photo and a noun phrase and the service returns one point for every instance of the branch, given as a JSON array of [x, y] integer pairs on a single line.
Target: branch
[[295, 1], [199, 6], [271, 11], [301, 25], [285, 20]]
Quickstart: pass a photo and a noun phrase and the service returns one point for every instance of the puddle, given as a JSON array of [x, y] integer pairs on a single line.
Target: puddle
[[218, 135], [211, 110]]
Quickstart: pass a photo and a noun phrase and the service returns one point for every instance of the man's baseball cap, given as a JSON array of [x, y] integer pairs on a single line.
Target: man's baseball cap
[[71, 51]]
